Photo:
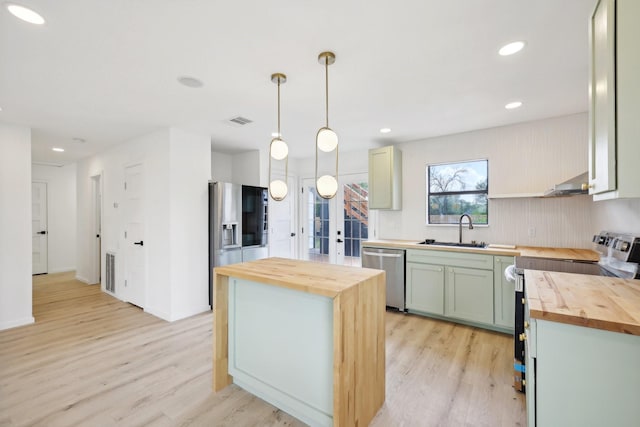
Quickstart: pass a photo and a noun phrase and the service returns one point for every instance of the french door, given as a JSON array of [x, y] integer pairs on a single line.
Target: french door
[[333, 229]]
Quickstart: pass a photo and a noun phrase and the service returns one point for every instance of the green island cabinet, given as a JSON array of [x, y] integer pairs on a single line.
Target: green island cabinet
[[580, 376], [465, 287]]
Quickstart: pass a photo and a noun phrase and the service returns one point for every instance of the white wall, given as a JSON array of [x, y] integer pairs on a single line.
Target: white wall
[[15, 226], [617, 215], [221, 165], [523, 158], [61, 214], [190, 170], [177, 167], [348, 163], [246, 169]]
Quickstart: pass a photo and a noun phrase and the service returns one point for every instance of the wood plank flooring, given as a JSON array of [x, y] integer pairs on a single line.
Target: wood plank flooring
[[92, 360]]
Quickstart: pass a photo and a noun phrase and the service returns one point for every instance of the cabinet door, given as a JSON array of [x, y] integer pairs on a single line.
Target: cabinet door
[[602, 99], [425, 288], [469, 294], [504, 294], [385, 179]]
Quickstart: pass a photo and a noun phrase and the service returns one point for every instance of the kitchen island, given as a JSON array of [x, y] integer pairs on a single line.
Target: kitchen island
[[304, 336], [582, 339]]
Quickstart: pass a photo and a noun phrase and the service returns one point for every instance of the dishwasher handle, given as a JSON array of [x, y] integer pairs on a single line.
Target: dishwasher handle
[[382, 254]]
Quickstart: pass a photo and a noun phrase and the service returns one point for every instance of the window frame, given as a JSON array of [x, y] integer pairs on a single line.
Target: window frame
[[455, 193]]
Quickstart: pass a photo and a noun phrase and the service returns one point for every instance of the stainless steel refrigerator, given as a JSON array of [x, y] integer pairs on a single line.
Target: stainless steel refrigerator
[[238, 227]]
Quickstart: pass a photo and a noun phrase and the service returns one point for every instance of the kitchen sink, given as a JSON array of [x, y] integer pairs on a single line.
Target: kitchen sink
[[460, 245]]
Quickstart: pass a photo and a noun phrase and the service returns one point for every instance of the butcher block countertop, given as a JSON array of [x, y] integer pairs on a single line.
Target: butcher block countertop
[[317, 278], [532, 251], [606, 303]]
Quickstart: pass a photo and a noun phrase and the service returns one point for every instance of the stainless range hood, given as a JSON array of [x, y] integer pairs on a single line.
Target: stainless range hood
[[573, 186]]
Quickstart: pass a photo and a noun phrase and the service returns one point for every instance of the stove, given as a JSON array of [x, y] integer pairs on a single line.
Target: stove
[[560, 265], [619, 257]]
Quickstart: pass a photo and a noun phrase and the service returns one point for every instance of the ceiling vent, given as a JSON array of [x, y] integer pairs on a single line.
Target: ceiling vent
[[240, 121]]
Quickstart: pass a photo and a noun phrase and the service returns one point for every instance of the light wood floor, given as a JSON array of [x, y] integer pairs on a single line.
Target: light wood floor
[[92, 360]]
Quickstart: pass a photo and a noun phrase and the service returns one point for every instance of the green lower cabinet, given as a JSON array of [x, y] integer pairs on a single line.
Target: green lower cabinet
[[425, 288], [578, 376], [504, 293], [468, 288], [469, 294]]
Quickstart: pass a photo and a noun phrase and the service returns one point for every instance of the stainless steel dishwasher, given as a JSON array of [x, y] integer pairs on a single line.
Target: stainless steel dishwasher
[[392, 262]]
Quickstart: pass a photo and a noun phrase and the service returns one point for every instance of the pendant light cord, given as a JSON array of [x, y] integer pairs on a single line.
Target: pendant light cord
[[326, 86], [279, 135]]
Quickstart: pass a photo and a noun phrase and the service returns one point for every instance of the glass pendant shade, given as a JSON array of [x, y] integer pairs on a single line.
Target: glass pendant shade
[[279, 149], [278, 189], [327, 140], [327, 186]]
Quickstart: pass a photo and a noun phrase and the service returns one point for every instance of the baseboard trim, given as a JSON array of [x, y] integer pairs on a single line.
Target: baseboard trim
[[82, 279], [16, 323], [61, 270], [185, 314]]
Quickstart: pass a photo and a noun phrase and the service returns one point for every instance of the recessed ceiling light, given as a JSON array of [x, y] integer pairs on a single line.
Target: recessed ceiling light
[[25, 14], [511, 48], [59, 150], [190, 81], [512, 105], [385, 130]]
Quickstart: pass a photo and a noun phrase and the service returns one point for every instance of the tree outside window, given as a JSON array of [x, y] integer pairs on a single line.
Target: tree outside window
[[454, 189]]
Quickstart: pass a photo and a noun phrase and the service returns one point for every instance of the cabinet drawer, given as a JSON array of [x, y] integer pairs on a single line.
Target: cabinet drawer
[[455, 259]]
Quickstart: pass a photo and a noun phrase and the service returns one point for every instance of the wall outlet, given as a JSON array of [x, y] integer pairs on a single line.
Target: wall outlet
[[532, 232]]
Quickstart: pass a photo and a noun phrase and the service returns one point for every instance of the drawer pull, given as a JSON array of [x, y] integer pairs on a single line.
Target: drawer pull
[[526, 324]]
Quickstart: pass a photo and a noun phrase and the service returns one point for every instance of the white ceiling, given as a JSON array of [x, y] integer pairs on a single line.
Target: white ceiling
[[106, 71]]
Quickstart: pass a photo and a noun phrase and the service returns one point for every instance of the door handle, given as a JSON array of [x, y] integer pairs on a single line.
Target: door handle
[[340, 241], [97, 236], [41, 232], [382, 255], [141, 243], [293, 234]]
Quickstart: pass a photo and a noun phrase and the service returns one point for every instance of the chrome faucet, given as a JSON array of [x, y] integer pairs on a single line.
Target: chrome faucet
[[460, 225]]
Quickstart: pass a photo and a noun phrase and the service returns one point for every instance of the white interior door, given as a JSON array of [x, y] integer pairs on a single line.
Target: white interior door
[[282, 235], [96, 182], [135, 277], [39, 227]]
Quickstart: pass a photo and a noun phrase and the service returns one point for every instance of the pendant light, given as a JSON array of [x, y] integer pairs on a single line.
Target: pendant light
[[326, 138], [278, 150]]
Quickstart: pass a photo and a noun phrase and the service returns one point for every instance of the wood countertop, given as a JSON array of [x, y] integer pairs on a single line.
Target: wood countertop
[[606, 303], [317, 278], [532, 251]]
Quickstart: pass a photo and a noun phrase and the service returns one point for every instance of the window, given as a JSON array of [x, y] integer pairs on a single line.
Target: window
[[454, 189]]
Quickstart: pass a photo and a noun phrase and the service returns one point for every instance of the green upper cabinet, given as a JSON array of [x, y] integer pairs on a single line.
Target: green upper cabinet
[[385, 178], [614, 100]]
